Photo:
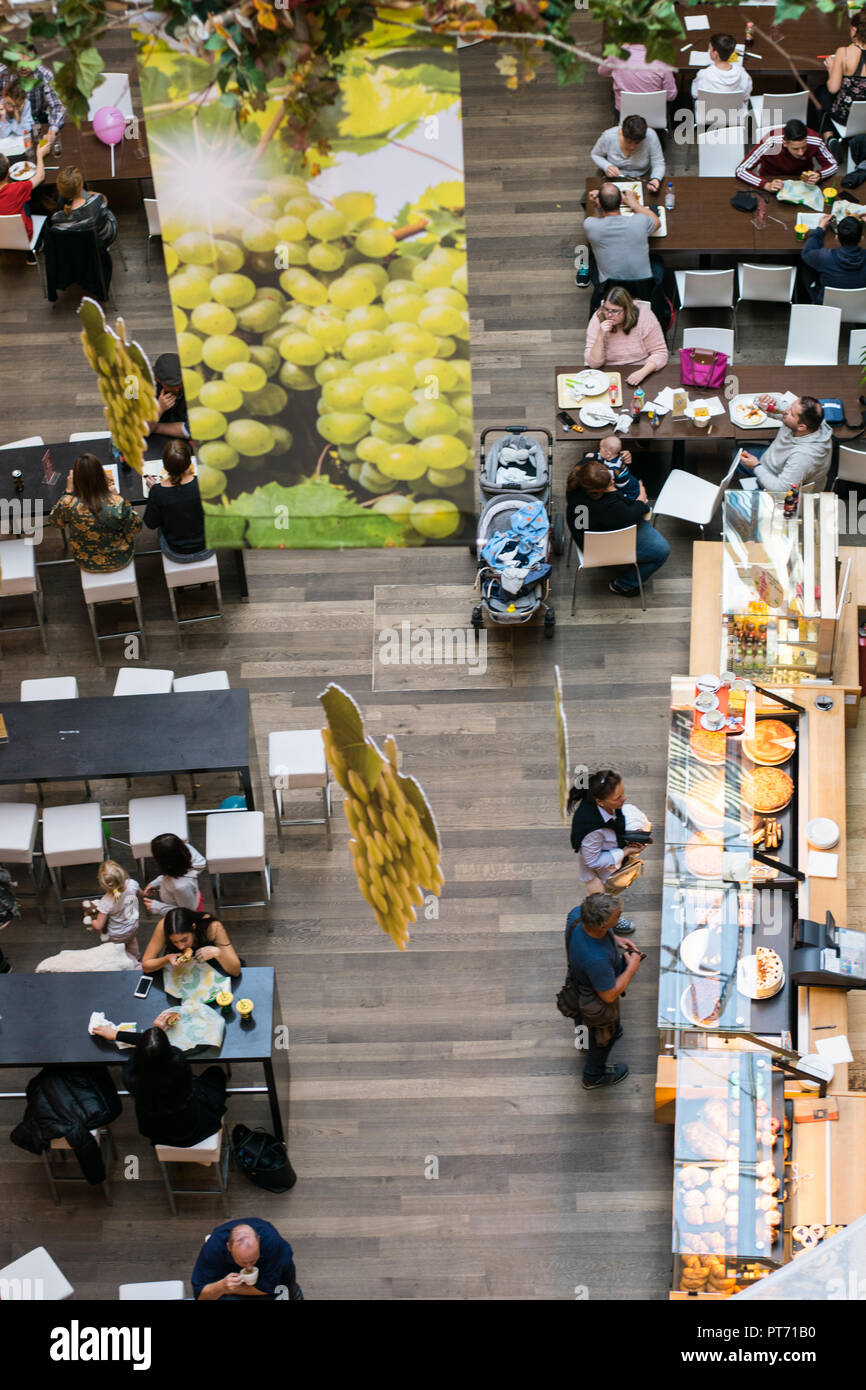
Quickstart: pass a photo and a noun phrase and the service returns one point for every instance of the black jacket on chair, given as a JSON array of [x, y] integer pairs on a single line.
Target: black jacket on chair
[[76, 258], [67, 1103]]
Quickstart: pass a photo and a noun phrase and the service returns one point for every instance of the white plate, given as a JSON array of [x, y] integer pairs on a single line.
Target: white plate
[[738, 409], [822, 833], [687, 1013], [693, 948], [747, 979], [22, 171], [597, 416], [591, 382]]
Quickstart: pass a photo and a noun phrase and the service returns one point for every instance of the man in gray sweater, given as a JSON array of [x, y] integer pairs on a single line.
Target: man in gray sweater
[[801, 453], [620, 244], [630, 151]]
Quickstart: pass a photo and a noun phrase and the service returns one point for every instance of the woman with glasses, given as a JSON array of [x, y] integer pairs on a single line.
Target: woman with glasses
[[625, 331]]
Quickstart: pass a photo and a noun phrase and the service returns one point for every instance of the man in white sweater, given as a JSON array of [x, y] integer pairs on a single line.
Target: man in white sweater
[[801, 453], [630, 151], [721, 75]]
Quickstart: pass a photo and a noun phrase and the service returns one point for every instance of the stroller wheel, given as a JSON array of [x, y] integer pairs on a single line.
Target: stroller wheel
[[477, 617], [558, 535]]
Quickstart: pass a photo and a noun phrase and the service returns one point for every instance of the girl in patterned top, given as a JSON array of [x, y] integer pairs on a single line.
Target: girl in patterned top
[[102, 526], [117, 910]]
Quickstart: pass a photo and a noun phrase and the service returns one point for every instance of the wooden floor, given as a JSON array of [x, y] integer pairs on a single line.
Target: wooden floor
[[454, 1051]]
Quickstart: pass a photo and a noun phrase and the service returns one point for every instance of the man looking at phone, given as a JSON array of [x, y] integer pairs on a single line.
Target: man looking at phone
[[841, 267], [245, 1259], [602, 965]]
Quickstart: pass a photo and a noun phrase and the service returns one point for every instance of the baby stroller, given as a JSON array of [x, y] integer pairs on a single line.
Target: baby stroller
[[513, 546], [521, 462]]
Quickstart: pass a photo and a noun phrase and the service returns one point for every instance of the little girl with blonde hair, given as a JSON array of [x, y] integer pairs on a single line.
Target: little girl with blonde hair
[[117, 910]]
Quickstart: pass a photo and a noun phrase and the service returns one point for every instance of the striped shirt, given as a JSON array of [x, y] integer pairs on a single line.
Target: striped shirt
[[44, 101], [770, 160]]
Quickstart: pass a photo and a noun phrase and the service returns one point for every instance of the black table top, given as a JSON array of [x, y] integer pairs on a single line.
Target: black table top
[[63, 455], [44, 1018], [128, 736]]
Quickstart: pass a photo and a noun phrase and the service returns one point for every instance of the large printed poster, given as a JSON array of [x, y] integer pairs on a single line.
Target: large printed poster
[[320, 299]]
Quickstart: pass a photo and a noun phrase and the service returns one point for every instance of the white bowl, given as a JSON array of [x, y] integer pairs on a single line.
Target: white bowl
[[822, 833]]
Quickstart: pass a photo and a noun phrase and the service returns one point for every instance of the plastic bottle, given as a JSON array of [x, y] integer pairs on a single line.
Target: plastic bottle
[[670, 199]]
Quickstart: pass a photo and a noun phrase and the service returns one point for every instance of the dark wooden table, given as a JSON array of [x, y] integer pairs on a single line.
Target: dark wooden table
[[140, 735], [44, 1018], [803, 39], [84, 149]]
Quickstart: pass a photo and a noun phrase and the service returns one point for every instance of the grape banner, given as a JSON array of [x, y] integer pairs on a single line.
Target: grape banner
[[320, 299]]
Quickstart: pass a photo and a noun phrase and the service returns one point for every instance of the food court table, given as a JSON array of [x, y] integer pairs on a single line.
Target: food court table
[[140, 735], [44, 1018], [84, 149], [813, 33]]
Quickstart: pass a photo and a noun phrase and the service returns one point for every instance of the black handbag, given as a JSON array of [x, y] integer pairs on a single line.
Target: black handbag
[[263, 1159], [581, 1001]]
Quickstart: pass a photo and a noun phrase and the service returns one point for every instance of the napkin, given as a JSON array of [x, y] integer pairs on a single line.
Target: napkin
[[623, 423], [660, 407], [98, 1019], [821, 865], [836, 1049], [696, 21], [699, 58]]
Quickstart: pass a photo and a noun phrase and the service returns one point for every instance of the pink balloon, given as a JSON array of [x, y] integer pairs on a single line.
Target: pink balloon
[[109, 124]]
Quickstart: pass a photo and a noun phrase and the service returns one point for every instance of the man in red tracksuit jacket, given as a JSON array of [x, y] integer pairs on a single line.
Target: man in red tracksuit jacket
[[787, 152]]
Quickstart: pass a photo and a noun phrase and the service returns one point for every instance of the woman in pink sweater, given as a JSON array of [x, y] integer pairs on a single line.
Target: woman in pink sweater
[[625, 330]]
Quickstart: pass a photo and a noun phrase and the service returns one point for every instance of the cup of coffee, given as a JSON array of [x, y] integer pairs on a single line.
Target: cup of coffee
[[249, 1275]]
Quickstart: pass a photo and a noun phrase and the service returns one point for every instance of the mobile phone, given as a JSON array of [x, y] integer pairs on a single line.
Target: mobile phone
[[567, 421], [142, 989]]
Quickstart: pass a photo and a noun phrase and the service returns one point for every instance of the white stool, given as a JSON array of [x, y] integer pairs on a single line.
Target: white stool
[[235, 844], [19, 823], [103, 1139], [160, 1290], [179, 576], [142, 680], [112, 588], [20, 576], [35, 1276], [210, 1152], [71, 835], [296, 760], [208, 680], [150, 816], [51, 688]]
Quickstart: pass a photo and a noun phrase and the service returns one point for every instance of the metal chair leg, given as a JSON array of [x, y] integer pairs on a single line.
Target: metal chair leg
[[265, 876], [221, 609], [574, 589], [58, 891], [91, 613], [38, 604], [640, 586], [46, 1158], [173, 605], [278, 817], [326, 801], [568, 550], [140, 620], [171, 1202]]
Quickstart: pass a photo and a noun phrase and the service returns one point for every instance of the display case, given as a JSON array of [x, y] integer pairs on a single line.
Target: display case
[[729, 1154], [779, 586]]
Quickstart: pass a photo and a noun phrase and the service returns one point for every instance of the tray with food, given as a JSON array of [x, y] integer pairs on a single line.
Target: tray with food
[[718, 1275], [573, 389], [746, 414]]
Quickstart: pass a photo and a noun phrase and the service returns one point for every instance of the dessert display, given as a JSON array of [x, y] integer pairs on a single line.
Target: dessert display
[[761, 975], [774, 742], [702, 1004], [767, 789], [709, 746]]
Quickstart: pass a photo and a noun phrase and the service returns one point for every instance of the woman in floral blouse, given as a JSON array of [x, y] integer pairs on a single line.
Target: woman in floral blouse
[[102, 527]]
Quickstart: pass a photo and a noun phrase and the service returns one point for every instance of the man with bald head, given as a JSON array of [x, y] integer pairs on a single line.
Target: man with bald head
[[245, 1259]]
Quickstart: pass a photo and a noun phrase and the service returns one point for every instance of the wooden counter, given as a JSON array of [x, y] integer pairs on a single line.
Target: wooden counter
[[831, 1161]]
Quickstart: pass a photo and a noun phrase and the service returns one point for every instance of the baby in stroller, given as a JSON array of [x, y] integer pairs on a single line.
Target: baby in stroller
[[514, 543]]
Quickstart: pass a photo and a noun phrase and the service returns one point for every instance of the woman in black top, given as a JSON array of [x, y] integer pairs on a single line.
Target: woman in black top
[[174, 508], [173, 1105], [593, 503], [82, 209]]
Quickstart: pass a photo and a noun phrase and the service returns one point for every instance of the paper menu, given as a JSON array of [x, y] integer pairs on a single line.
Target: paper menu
[[699, 58], [696, 21]]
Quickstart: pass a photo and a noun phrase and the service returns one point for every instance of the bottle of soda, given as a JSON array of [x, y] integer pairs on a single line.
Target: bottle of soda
[[792, 497], [670, 199]]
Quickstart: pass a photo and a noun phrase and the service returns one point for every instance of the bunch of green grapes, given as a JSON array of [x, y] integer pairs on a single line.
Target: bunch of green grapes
[[382, 335]]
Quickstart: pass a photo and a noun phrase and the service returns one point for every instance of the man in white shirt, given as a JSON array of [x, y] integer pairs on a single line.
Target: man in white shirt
[[721, 75]]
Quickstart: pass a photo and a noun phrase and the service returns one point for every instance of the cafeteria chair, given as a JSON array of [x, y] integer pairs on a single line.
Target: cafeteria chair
[[197, 572], [705, 289], [212, 1152], [63, 1147], [142, 680], [19, 825], [767, 284], [13, 233], [150, 816], [296, 761], [813, 336], [857, 347], [113, 90], [85, 436], [719, 153], [851, 302], [156, 1290], [603, 548], [718, 114], [151, 212], [24, 443], [235, 844], [34, 1276], [710, 340], [114, 587], [207, 680], [687, 497], [52, 688], [21, 577], [772, 109], [653, 106], [851, 469], [71, 835]]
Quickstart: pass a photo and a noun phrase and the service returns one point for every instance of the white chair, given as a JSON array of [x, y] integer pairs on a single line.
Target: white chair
[[150, 816], [296, 761], [856, 347], [154, 228], [83, 438], [856, 122], [19, 824], [158, 1290], [208, 680], [20, 576], [689, 498], [142, 680], [212, 1152], [719, 153], [772, 109], [118, 586], [235, 844], [852, 469], [50, 688], [770, 284], [851, 302], [705, 289], [603, 548], [13, 233], [813, 336], [63, 1148], [34, 1276], [24, 443], [653, 106], [710, 340], [71, 835], [180, 576], [113, 90]]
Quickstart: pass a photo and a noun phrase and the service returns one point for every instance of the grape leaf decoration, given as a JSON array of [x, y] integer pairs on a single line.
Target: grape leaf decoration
[[310, 515]]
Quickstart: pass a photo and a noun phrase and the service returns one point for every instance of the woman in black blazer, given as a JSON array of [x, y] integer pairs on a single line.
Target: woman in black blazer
[[593, 503]]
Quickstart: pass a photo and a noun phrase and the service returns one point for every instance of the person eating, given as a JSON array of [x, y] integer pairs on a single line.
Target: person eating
[[625, 330], [16, 118], [45, 105], [799, 456], [786, 152], [620, 245], [630, 151], [15, 194], [181, 930], [838, 267]]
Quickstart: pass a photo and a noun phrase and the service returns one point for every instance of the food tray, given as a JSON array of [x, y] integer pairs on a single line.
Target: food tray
[[768, 423], [567, 400]]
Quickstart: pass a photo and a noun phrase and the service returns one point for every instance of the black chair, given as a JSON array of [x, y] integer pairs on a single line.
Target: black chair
[[74, 256]]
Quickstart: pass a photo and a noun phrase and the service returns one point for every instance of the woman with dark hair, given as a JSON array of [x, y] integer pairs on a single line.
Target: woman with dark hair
[[181, 930], [625, 330], [101, 526], [176, 884], [173, 1104], [846, 69], [594, 503], [174, 507], [598, 832]]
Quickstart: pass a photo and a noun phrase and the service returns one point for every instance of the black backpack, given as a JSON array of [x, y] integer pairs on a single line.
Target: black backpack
[[568, 999], [263, 1159]]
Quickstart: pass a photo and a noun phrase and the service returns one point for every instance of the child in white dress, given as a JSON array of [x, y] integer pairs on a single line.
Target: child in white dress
[[117, 910]]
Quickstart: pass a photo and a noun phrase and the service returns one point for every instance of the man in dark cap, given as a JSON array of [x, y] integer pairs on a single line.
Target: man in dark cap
[[170, 401]]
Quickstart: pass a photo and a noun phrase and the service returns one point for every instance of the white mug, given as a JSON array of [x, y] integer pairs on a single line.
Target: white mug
[[249, 1276]]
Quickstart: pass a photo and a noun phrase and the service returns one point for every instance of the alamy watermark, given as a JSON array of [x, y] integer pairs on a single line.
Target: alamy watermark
[[22, 517], [433, 646]]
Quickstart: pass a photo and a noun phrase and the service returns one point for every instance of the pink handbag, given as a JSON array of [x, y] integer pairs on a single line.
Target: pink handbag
[[706, 369]]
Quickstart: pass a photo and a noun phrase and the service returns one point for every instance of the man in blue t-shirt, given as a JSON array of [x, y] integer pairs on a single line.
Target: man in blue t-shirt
[[600, 960], [245, 1259]]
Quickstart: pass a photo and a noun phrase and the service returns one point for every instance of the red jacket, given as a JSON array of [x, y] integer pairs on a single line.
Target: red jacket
[[770, 160]]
